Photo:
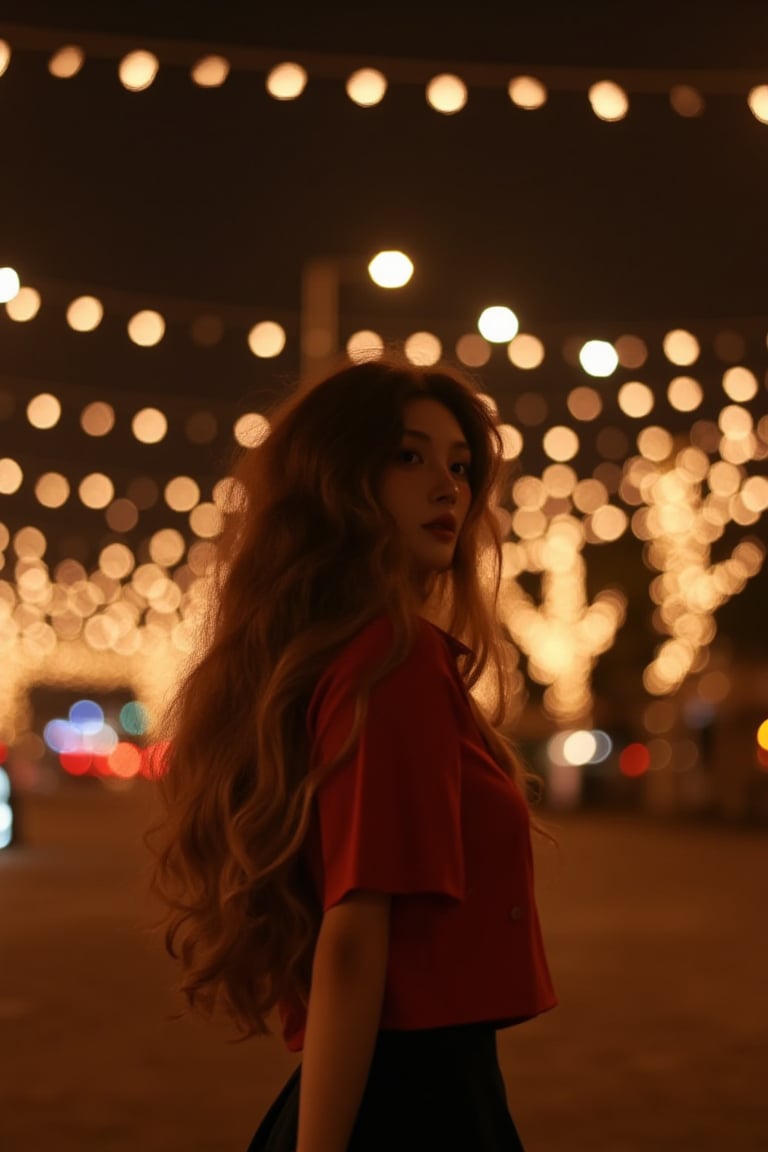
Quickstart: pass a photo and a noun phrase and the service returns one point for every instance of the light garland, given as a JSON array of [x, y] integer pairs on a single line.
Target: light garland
[[268, 332], [447, 87]]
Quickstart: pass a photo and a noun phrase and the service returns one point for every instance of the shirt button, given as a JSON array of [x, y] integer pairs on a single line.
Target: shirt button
[[516, 912]]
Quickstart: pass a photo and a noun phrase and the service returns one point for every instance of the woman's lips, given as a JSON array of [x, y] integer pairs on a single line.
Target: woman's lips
[[441, 533]]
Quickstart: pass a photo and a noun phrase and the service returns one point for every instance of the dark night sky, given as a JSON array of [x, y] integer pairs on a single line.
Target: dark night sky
[[218, 197], [221, 194]]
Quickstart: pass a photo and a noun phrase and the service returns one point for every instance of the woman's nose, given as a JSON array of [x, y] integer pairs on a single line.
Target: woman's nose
[[446, 484]]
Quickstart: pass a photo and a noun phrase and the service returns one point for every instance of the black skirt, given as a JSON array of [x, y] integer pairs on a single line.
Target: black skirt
[[436, 1088]]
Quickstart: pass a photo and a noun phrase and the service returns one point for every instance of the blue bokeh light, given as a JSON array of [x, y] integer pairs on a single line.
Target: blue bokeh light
[[61, 736], [87, 717]]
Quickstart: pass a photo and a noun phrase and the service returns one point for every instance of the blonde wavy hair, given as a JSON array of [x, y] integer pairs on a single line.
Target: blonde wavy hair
[[307, 559]]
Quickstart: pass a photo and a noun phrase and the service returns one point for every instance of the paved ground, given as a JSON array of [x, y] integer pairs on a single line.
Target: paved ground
[[657, 935]]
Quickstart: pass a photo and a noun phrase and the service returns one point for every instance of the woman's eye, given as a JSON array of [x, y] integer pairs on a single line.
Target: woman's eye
[[411, 456]]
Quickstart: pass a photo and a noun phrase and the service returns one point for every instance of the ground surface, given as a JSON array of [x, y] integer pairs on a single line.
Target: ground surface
[[657, 935]]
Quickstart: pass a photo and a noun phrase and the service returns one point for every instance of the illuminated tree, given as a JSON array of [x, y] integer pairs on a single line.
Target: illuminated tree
[[687, 504], [562, 635]]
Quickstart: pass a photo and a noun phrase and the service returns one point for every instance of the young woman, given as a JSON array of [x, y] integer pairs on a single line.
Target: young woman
[[345, 853]]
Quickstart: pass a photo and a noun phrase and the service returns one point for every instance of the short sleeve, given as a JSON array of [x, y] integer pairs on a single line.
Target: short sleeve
[[390, 814]]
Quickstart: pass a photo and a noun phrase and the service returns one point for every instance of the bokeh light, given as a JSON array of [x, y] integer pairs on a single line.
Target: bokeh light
[[473, 350], [266, 339], [52, 490], [251, 429], [364, 345], [598, 358], [685, 393], [85, 313], [498, 324], [609, 100], [446, 93], [9, 284], [758, 102], [527, 92], [66, 62], [24, 306], [149, 425], [390, 268], [286, 81], [681, 347], [44, 410], [686, 100], [366, 87], [137, 70], [146, 328], [525, 351], [422, 348], [210, 71], [634, 760], [97, 418]]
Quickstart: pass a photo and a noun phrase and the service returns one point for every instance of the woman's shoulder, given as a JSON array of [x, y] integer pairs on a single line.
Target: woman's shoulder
[[427, 667], [374, 643]]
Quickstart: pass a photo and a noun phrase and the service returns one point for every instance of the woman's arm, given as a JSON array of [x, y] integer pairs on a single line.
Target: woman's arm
[[348, 977]]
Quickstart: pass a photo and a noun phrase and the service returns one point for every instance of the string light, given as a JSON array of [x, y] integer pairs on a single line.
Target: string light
[[146, 328], [446, 93], [24, 305], [527, 92], [266, 339], [598, 358], [525, 351], [137, 70], [66, 62], [286, 81], [85, 313], [609, 100], [366, 87], [390, 269], [758, 102], [9, 284], [364, 345], [498, 324], [423, 348], [210, 71], [473, 350]]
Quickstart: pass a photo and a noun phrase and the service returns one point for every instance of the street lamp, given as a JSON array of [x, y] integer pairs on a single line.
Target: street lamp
[[321, 279]]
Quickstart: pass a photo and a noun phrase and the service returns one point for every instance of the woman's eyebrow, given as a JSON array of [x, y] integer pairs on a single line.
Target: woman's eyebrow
[[428, 439]]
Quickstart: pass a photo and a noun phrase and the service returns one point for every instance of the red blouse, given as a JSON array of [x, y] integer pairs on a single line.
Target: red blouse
[[420, 809]]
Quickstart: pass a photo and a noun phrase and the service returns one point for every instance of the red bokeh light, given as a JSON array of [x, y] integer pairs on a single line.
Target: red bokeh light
[[76, 763], [634, 760], [100, 766]]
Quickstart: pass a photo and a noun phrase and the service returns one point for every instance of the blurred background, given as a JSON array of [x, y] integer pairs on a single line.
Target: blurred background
[[567, 201]]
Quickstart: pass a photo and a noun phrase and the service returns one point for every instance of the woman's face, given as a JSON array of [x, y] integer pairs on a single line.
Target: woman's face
[[428, 480]]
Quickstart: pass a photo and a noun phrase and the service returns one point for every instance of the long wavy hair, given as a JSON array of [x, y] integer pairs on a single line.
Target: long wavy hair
[[306, 558]]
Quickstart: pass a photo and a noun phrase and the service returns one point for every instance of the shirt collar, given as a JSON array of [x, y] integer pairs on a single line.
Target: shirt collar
[[456, 646]]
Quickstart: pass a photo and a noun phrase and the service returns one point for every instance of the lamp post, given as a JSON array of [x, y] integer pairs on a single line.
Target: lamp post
[[321, 279]]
